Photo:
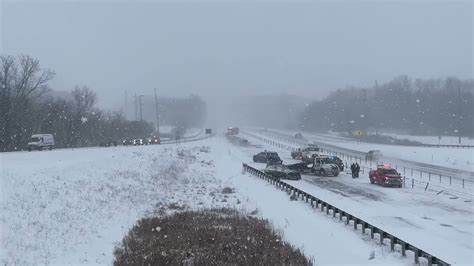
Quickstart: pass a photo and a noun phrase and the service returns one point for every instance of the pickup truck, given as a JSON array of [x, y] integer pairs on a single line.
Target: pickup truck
[[386, 176]]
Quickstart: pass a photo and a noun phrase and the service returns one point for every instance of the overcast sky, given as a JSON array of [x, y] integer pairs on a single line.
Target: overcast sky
[[208, 48]]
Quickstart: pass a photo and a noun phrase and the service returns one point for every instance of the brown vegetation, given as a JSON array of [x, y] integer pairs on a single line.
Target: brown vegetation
[[208, 237]]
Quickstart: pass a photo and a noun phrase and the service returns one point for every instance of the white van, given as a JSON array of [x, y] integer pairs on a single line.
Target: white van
[[40, 141]]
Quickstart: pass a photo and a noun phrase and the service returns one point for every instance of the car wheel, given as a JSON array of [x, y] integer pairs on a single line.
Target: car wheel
[[51, 148], [29, 149], [322, 172], [40, 148], [372, 181]]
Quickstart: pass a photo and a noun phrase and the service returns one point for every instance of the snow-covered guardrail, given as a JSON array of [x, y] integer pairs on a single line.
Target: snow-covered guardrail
[[348, 218], [463, 187]]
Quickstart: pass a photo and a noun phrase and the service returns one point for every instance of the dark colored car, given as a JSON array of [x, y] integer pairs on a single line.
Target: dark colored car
[[303, 167], [126, 142], [270, 157], [386, 176], [282, 172], [155, 140], [298, 136], [337, 161]]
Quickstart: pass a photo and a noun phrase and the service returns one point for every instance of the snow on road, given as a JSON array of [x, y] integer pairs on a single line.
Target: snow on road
[[435, 223], [73, 206], [462, 159]]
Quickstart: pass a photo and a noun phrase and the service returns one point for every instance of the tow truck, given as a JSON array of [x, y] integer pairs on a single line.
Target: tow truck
[[385, 175]]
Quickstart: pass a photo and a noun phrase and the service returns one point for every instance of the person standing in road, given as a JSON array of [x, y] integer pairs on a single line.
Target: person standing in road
[[353, 170], [356, 170]]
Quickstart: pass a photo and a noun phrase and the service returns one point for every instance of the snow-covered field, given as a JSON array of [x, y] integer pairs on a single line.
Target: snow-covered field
[[445, 140], [73, 206]]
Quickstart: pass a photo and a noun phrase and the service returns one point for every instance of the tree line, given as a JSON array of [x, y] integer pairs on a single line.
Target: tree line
[[27, 107], [414, 106]]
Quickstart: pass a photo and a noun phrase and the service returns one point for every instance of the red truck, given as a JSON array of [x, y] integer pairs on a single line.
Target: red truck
[[386, 176]]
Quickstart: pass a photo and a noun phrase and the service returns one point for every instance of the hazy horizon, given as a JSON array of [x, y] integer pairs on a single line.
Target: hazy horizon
[[219, 50]]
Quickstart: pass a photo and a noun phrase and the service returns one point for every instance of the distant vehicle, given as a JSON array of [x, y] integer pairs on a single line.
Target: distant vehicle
[[126, 142], [140, 141], [108, 143], [41, 141], [154, 140], [373, 155], [243, 142], [298, 136], [282, 172], [323, 166], [298, 154], [267, 157], [386, 176], [234, 131]]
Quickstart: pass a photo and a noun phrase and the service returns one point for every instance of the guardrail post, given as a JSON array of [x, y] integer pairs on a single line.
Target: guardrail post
[[429, 176], [412, 183], [355, 220], [382, 236], [392, 243], [417, 255], [404, 248], [450, 181], [430, 260], [371, 232], [363, 227]]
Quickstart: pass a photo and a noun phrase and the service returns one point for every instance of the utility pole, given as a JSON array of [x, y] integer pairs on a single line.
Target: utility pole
[[141, 109], [459, 113], [157, 116], [136, 108]]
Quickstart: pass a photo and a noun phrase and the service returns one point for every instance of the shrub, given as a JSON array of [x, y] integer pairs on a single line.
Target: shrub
[[207, 237]]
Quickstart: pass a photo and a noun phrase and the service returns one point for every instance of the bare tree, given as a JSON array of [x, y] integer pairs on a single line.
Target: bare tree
[[22, 80]]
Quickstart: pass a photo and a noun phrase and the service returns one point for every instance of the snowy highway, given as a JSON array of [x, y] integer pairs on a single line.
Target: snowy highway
[[72, 206], [437, 223]]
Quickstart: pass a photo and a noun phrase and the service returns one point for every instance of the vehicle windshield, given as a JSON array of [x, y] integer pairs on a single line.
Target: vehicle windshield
[[35, 139]]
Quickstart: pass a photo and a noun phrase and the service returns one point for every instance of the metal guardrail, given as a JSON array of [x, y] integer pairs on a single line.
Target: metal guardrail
[[411, 181], [447, 146], [346, 217], [360, 157]]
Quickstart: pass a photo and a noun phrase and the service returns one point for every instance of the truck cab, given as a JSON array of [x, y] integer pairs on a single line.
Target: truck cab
[[386, 176], [323, 166]]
